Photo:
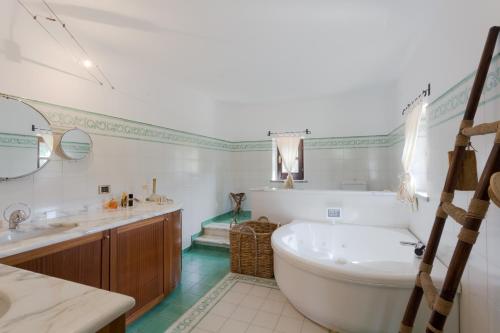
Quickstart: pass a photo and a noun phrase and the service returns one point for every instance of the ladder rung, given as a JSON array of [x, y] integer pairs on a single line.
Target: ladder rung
[[430, 290], [481, 129], [457, 213]]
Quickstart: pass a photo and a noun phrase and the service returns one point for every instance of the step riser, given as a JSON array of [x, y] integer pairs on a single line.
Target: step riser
[[216, 232], [208, 243]]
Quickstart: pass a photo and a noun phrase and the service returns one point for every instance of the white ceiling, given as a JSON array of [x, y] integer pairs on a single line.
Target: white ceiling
[[235, 50]]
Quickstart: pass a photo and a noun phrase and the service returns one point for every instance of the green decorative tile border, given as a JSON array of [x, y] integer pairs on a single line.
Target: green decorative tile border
[[193, 316], [448, 106], [18, 141], [453, 102]]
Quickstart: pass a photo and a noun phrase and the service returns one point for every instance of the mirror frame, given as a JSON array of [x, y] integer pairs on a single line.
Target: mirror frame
[[66, 155], [52, 151]]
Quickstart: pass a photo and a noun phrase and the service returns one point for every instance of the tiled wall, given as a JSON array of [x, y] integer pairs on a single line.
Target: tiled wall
[[323, 168], [480, 299], [200, 178]]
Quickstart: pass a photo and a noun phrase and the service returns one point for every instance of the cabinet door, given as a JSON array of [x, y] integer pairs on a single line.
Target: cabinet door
[[84, 260], [173, 250], [137, 263]]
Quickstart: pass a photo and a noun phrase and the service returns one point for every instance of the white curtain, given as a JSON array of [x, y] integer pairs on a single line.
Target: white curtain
[[407, 189], [289, 150]]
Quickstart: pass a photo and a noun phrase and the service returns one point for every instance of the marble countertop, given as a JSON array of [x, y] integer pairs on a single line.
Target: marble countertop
[[42, 232], [32, 302]]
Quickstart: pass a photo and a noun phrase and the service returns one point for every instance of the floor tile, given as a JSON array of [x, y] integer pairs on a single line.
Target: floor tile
[[289, 325], [241, 287], [244, 314], [212, 322], [234, 326], [257, 329], [253, 302], [311, 327], [202, 270], [259, 291], [272, 306], [224, 309], [266, 319], [234, 297], [290, 311]]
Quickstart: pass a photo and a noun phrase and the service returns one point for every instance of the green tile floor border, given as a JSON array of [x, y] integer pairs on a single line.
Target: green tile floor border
[[202, 269], [191, 318]]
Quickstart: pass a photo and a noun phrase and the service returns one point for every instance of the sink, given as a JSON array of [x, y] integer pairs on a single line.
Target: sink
[[34, 231], [4, 304]]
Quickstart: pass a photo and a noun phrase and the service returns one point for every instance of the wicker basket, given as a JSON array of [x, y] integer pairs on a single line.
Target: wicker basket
[[251, 251]]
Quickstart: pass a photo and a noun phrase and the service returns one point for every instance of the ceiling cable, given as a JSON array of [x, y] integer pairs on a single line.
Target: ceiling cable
[[73, 57], [80, 46]]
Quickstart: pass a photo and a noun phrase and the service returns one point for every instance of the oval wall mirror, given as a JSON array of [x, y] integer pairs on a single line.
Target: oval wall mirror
[[76, 144], [26, 140]]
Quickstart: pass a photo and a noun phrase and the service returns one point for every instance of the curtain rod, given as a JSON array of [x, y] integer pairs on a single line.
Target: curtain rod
[[425, 93], [307, 131]]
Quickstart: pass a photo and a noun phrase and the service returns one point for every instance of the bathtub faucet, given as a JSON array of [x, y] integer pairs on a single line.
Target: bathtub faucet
[[419, 247]]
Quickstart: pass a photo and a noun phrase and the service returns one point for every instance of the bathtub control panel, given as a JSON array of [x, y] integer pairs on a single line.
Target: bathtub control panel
[[333, 213]]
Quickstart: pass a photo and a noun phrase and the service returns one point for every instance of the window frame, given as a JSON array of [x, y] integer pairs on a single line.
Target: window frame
[[279, 165]]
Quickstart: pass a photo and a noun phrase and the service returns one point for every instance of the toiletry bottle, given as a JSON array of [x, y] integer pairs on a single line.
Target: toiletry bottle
[[123, 200], [130, 199]]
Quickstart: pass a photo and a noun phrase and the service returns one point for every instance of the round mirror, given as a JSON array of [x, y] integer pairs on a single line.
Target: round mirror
[[26, 139], [76, 144]]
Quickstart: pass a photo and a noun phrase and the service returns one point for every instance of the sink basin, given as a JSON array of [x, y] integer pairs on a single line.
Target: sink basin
[[34, 231], [4, 304]]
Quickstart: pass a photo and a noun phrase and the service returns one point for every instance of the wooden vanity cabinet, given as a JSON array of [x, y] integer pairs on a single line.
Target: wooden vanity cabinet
[[173, 251], [137, 261], [84, 260], [141, 259], [146, 260]]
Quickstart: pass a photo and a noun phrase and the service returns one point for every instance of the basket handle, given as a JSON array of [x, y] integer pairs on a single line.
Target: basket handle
[[247, 231]]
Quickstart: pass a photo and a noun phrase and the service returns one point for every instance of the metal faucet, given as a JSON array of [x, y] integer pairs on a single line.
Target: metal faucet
[[419, 247], [20, 213]]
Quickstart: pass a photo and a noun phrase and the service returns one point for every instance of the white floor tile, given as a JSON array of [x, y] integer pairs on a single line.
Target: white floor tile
[[224, 309], [244, 314], [260, 291], [257, 329], [312, 327], [266, 319], [290, 311], [253, 302], [272, 306], [234, 326], [211, 322], [289, 325], [241, 287], [277, 295], [199, 330], [233, 297]]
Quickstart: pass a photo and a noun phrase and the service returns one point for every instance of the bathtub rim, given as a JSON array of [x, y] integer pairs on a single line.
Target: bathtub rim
[[378, 280]]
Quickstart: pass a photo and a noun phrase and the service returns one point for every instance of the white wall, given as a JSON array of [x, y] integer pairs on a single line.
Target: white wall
[[38, 68], [365, 208], [199, 178], [365, 111], [451, 50]]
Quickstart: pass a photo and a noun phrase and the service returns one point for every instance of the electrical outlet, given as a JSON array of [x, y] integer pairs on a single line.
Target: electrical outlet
[[333, 213], [104, 189]]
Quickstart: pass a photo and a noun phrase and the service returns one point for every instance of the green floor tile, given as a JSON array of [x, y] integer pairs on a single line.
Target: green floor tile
[[202, 270]]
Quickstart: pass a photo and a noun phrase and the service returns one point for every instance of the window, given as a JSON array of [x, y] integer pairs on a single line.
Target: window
[[279, 171]]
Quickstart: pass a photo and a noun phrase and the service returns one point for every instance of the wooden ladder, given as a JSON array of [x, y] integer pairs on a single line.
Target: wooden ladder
[[470, 220]]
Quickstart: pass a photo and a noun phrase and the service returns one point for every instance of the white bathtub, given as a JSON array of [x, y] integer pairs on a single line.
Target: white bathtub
[[351, 278]]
